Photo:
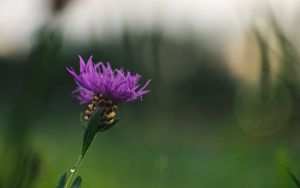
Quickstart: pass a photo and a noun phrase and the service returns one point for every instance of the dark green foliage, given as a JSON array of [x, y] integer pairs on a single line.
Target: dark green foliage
[[62, 181], [296, 181], [28, 101], [77, 182]]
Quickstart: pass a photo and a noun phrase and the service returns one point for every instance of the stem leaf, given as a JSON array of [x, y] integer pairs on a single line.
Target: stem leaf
[[62, 181], [77, 182], [296, 181], [91, 130]]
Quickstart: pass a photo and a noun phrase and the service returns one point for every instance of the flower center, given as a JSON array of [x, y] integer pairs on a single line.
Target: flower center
[[108, 106]]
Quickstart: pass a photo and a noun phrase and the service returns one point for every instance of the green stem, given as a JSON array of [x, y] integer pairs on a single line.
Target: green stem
[[74, 171], [88, 138]]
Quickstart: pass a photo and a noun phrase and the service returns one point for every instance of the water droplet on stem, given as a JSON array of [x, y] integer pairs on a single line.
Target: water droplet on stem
[[72, 170]]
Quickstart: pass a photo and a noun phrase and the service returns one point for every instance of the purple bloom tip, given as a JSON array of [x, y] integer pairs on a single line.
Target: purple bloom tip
[[101, 79]]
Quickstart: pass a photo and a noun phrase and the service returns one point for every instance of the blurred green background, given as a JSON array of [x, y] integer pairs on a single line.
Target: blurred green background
[[223, 110]]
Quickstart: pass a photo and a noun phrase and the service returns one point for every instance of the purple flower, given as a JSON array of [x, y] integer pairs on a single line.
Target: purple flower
[[100, 80]]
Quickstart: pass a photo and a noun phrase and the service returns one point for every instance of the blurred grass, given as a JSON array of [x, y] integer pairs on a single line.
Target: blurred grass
[[197, 127], [126, 157]]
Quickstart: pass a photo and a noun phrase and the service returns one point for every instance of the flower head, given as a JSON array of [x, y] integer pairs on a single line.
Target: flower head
[[100, 85], [116, 85]]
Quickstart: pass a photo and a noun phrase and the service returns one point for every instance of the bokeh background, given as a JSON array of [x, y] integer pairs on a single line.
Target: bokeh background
[[224, 106]]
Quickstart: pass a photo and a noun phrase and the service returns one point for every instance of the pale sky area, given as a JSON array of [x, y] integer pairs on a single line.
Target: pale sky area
[[84, 19]]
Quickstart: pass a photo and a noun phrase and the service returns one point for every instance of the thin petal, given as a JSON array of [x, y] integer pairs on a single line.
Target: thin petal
[[81, 64]]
